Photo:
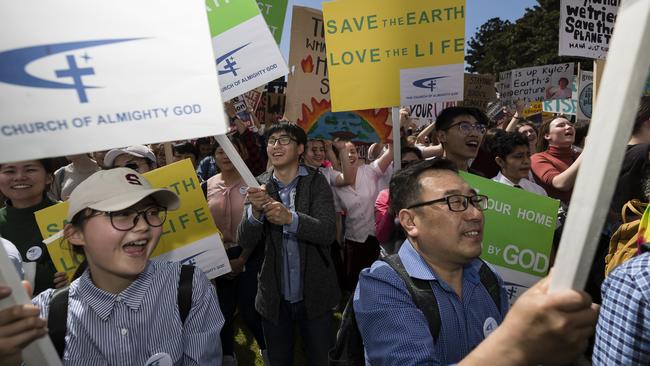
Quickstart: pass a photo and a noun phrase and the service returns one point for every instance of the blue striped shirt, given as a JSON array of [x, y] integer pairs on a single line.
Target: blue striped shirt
[[623, 329], [395, 331], [129, 327]]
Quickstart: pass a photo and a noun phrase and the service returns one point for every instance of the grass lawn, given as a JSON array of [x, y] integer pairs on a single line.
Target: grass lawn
[[248, 352]]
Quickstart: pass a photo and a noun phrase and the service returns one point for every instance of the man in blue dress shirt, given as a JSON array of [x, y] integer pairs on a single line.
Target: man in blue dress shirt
[[443, 220]]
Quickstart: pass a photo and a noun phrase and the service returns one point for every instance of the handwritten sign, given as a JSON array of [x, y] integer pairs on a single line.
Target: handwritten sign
[[586, 27], [538, 83]]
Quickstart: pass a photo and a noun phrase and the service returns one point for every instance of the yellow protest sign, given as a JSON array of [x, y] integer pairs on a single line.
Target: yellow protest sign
[[189, 233], [370, 41]]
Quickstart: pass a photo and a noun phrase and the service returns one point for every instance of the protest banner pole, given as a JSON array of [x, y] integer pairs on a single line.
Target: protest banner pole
[[169, 154], [397, 157], [237, 161], [40, 351], [627, 70], [599, 67]]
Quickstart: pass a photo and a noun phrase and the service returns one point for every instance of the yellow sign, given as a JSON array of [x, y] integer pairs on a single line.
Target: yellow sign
[[370, 41], [190, 223]]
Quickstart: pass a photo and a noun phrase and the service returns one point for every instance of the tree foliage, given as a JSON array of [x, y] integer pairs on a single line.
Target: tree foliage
[[531, 41]]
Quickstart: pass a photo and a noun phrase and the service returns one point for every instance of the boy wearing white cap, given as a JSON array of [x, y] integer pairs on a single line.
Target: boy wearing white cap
[[125, 309], [136, 157]]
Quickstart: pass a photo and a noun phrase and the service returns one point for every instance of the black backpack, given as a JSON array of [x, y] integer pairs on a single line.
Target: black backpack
[[58, 315], [349, 350]]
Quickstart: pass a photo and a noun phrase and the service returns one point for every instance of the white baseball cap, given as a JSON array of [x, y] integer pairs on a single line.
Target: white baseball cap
[[139, 151], [117, 189]]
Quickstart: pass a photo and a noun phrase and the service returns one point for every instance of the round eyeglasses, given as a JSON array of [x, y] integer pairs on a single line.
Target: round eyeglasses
[[466, 127], [458, 202], [127, 219]]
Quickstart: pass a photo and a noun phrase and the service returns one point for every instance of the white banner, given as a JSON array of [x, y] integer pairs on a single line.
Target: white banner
[[586, 27], [431, 84], [532, 84], [84, 75]]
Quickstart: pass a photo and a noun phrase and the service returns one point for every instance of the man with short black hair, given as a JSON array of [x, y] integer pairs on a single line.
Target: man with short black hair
[[460, 130], [442, 217], [292, 213]]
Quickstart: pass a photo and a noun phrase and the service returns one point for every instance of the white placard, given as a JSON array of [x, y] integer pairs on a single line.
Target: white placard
[[84, 75], [534, 84], [40, 352], [618, 99], [431, 84], [586, 27], [247, 57]]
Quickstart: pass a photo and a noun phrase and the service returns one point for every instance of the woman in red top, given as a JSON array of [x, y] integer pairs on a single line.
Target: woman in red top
[[556, 166]]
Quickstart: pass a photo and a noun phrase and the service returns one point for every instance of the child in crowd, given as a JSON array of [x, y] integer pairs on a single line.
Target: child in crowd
[[125, 309]]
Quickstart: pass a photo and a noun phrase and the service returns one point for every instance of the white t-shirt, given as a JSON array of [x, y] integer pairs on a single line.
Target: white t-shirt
[[524, 183]]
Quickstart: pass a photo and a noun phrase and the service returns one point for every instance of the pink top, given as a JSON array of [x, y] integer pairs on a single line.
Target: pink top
[[226, 204], [384, 220]]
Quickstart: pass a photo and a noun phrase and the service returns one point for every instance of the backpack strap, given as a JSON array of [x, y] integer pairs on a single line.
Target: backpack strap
[[491, 283], [57, 319], [421, 293], [185, 291]]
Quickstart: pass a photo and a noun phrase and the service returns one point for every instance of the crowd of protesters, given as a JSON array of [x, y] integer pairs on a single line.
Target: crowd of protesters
[[310, 238]]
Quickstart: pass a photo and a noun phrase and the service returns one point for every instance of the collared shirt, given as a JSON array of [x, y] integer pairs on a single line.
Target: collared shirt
[[524, 183], [291, 277], [359, 202], [129, 327], [395, 331], [623, 329]]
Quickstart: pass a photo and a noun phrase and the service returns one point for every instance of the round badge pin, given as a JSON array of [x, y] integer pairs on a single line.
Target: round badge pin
[[34, 253], [243, 190], [159, 359], [489, 326]]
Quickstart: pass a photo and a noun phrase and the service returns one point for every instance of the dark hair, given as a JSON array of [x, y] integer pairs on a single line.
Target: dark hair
[[504, 143], [48, 165], [582, 128], [642, 115], [291, 129], [544, 128], [185, 148], [235, 140], [447, 116], [526, 122], [405, 187], [411, 150], [565, 80], [204, 141]]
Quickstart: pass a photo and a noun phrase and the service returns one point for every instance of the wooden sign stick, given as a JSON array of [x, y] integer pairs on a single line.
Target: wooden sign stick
[[41, 351], [237, 161], [624, 77], [397, 157]]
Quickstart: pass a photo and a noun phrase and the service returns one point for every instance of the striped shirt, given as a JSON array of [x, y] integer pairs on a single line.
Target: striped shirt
[[395, 331], [623, 329], [130, 327]]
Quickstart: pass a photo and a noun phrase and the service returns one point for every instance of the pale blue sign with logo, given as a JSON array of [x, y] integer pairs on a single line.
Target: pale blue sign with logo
[[74, 79]]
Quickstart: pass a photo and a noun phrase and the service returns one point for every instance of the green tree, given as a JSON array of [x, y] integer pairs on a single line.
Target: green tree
[[531, 41]]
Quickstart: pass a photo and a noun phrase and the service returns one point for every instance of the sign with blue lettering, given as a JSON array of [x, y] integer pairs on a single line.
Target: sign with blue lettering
[[74, 70], [435, 84]]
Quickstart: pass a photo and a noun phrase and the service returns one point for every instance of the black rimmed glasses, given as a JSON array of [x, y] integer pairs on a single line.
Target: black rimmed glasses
[[458, 202], [283, 140], [127, 219], [466, 127]]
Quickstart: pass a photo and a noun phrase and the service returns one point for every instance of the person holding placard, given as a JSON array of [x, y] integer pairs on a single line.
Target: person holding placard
[[556, 167], [25, 184], [442, 217], [511, 152], [292, 215], [125, 309], [226, 192]]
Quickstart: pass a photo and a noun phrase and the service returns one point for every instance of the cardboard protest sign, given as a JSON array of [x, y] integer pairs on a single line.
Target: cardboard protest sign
[[424, 114], [247, 54], [370, 41], [252, 98], [308, 92], [479, 90], [518, 233], [123, 79], [586, 27], [537, 83], [189, 233], [274, 12], [585, 95]]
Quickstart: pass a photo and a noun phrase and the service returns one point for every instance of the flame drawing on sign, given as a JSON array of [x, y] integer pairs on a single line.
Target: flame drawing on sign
[[307, 65]]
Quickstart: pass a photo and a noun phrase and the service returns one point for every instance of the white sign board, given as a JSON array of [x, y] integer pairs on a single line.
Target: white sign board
[[424, 114], [533, 84], [586, 27], [562, 106], [84, 75], [434, 84]]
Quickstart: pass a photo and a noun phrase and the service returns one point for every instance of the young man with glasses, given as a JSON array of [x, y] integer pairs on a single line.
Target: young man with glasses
[[292, 214], [460, 130], [442, 217]]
